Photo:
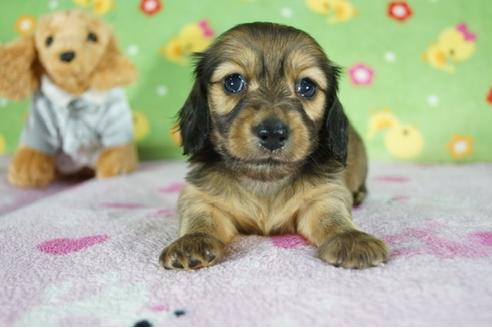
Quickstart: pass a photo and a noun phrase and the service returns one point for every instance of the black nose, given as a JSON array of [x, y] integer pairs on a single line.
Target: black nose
[[272, 133], [67, 56]]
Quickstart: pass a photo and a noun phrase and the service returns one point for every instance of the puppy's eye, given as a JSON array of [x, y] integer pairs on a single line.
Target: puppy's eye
[[48, 41], [306, 88], [234, 83], [92, 37]]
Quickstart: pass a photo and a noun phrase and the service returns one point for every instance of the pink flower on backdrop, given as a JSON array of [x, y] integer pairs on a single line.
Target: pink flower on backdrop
[[361, 74], [150, 7], [489, 97], [289, 241], [64, 246], [399, 10]]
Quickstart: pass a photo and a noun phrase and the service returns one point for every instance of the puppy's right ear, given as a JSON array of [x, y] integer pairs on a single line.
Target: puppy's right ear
[[194, 120], [20, 70]]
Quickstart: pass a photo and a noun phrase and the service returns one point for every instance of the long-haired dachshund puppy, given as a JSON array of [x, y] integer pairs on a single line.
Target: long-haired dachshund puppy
[[271, 151]]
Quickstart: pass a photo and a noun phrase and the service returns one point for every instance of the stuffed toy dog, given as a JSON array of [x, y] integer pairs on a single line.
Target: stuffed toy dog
[[79, 116]]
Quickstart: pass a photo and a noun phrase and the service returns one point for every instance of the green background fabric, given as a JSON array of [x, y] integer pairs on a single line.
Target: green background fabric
[[417, 111]]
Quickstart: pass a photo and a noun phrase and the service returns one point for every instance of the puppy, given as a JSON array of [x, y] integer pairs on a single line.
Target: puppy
[[271, 151]]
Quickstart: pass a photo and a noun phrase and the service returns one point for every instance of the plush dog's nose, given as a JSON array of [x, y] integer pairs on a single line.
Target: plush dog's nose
[[67, 56], [272, 133]]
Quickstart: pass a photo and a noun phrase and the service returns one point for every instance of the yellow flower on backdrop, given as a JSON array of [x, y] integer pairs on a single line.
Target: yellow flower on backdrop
[[141, 127], [455, 44], [24, 25], [403, 141], [2, 145], [176, 135], [336, 11], [193, 37], [99, 7]]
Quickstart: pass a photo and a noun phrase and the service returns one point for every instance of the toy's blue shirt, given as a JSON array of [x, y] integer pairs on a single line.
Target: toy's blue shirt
[[77, 128]]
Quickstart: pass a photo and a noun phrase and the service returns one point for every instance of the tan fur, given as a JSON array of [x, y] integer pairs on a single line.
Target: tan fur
[[116, 161], [286, 190], [31, 168], [98, 65], [19, 69]]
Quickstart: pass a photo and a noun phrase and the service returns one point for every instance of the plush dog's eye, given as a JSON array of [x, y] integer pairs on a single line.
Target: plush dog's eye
[[48, 41], [234, 83], [306, 88], [92, 37]]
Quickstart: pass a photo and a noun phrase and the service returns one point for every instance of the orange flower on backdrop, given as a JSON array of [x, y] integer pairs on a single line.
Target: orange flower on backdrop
[[489, 96], [25, 25], [460, 146], [399, 10], [150, 7]]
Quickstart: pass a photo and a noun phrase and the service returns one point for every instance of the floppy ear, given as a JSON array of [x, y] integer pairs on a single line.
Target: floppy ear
[[336, 134], [194, 120], [20, 69], [113, 70]]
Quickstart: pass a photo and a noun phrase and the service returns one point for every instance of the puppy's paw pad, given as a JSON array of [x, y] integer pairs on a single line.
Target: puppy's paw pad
[[192, 252], [354, 250]]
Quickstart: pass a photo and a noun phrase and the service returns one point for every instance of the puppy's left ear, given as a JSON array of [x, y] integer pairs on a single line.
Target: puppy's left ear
[[114, 69], [194, 120], [336, 131]]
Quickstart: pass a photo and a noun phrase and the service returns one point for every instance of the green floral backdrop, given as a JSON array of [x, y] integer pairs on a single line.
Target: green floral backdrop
[[417, 79]]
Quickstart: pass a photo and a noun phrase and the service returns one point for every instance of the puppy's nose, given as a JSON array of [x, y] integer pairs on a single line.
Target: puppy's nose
[[67, 56], [272, 133]]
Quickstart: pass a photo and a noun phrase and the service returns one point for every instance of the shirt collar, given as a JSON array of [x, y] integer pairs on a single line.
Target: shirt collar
[[62, 98]]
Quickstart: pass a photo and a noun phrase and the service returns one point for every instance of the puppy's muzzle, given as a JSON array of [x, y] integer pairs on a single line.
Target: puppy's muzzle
[[272, 133], [67, 56]]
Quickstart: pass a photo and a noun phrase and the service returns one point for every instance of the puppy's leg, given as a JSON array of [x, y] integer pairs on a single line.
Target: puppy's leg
[[31, 168], [327, 223], [355, 173], [204, 231], [117, 160]]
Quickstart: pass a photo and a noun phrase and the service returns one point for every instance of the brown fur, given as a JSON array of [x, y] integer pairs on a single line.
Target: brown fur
[[19, 69], [116, 161], [308, 186], [98, 65], [31, 168]]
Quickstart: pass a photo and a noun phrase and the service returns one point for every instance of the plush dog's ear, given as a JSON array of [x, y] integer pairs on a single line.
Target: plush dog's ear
[[336, 131], [113, 70], [20, 69], [194, 120]]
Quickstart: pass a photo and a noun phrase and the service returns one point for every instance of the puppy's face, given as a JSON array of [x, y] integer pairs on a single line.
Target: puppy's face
[[71, 44], [263, 93]]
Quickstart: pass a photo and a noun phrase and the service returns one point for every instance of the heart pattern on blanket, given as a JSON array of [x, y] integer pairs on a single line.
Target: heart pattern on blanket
[[173, 187], [391, 178], [289, 241], [64, 246], [123, 205]]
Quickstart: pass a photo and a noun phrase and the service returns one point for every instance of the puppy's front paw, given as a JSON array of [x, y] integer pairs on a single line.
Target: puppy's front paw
[[191, 252], [353, 250]]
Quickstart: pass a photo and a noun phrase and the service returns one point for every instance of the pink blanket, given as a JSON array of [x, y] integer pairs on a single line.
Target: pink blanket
[[87, 255]]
